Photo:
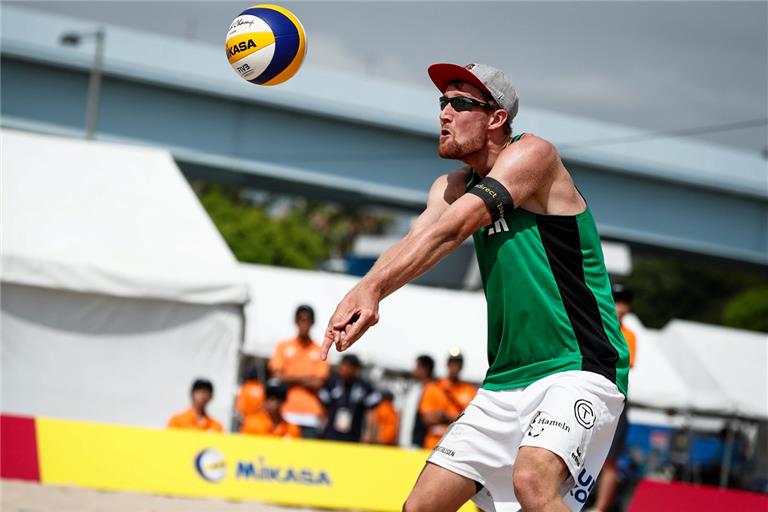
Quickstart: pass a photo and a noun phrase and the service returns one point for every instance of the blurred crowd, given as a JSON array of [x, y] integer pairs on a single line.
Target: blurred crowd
[[298, 395]]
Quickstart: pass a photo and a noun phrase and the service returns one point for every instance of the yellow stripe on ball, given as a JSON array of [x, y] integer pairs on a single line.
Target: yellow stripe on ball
[[246, 44], [295, 64]]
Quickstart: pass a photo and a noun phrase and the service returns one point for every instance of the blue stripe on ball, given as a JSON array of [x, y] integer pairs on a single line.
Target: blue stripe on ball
[[286, 42]]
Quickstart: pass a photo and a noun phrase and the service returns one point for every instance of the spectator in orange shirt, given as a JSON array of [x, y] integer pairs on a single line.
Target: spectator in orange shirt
[[296, 362], [384, 421], [269, 420], [608, 481], [196, 417], [622, 297], [443, 411], [250, 398], [431, 397]]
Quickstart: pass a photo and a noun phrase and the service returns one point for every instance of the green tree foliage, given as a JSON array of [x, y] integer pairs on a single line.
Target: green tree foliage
[[287, 232], [255, 237], [748, 310], [668, 287]]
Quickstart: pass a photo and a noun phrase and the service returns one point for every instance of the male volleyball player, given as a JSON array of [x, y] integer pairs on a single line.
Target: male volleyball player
[[536, 434]]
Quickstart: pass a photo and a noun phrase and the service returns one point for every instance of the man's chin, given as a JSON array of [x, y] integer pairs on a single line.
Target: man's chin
[[449, 151]]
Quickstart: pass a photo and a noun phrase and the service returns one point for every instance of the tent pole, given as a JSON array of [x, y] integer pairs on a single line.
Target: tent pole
[[234, 420], [688, 471], [725, 467]]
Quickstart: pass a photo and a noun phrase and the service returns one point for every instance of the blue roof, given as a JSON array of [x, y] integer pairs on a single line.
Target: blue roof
[[192, 65]]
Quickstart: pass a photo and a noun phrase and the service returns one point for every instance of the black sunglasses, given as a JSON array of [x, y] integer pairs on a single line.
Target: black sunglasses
[[462, 103]]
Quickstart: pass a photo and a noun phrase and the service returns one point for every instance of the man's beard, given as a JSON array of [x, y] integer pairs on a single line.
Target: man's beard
[[457, 151]]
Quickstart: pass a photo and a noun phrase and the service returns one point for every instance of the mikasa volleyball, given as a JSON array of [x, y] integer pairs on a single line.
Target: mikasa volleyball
[[266, 44]]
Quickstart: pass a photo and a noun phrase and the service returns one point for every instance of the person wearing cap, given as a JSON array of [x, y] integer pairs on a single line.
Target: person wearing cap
[[269, 420], [297, 363], [250, 397], [348, 400], [543, 420], [608, 482], [196, 417], [452, 397]]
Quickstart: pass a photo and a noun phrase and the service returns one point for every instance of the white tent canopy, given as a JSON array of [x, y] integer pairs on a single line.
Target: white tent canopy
[[654, 381], [415, 320], [111, 219], [701, 369], [721, 361], [117, 289]]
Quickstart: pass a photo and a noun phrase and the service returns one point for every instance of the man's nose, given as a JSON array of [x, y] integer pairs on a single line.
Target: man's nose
[[446, 113]]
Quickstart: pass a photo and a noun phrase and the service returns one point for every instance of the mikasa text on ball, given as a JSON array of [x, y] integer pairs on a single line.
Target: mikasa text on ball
[[266, 44]]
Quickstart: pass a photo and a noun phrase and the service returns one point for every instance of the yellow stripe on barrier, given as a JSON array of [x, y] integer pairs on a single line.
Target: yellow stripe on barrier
[[187, 463]]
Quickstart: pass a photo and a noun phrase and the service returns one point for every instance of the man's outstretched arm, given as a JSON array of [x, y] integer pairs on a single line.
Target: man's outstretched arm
[[417, 253], [521, 174], [442, 193]]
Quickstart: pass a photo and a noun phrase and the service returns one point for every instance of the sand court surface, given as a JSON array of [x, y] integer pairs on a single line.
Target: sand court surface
[[17, 496]]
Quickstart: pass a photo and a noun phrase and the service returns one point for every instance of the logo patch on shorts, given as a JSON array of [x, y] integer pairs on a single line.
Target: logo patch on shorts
[[443, 449], [584, 413], [541, 421], [577, 456]]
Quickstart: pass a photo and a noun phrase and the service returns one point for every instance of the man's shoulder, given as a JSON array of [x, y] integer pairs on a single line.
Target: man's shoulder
[[364, 383], [285, 343], [260, 415], [176, 419], [527, 140], [257, 421], [369, 388], [456, 179], [433, 387], [292, 346], [183, 414], [314, 350], [453, 182], [180, 417], [529, 144]]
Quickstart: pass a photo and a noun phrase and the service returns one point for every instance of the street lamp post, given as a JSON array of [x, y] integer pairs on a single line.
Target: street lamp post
[[94, 83]]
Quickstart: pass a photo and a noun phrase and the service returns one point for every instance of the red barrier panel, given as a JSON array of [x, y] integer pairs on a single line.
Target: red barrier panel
[[681, 497], [18, 448]]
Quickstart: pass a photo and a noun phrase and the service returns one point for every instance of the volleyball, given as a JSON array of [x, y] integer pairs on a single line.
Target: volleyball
[[266, 44]]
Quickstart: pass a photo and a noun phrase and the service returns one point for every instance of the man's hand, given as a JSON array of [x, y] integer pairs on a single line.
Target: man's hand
[[356, 312]]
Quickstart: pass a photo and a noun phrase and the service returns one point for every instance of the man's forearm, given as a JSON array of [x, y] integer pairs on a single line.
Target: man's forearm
[[389, 254], [430, 241], [413, 256]]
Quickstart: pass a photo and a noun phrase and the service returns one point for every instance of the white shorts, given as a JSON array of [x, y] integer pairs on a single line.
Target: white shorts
[[572, 414]]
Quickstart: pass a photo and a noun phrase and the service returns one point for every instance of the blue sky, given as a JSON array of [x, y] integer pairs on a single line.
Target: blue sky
[[655, 65]]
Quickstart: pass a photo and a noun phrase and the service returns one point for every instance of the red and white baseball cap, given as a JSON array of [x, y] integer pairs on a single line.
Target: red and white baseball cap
[[486, 78]]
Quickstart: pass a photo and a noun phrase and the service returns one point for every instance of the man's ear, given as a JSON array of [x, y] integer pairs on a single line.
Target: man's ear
[[497, 119]]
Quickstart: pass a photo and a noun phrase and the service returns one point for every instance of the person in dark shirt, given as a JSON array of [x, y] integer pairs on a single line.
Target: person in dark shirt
[[347, 399]]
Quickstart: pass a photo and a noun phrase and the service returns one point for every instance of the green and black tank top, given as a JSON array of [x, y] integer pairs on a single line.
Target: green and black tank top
[[549, 299]]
